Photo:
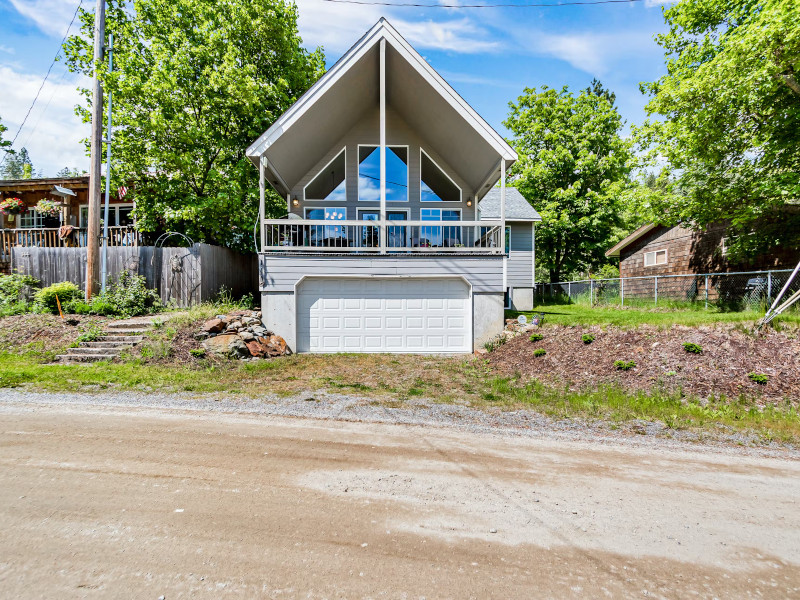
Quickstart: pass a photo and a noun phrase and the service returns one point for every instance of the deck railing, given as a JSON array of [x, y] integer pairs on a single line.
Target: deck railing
[[435, 237], [50, 238]]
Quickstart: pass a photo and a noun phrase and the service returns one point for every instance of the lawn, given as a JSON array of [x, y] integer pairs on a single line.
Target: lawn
[[584, 315]]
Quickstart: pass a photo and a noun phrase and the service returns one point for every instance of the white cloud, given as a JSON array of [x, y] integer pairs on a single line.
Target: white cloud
[[51, 16], [652, 3], [470, 79], [337, 26], [52, 133], [7, 50], [594, 53]]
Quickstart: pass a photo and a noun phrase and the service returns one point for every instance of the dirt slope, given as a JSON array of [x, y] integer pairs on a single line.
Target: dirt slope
[[729, 354]]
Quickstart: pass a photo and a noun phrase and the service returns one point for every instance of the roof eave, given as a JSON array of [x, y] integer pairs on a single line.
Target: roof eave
[[643, 230]]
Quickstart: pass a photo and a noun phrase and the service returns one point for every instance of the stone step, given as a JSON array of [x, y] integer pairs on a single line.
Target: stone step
[[128, 339], [143, 325], [114, 344], [130, 331], [84, 358], [84, 350]]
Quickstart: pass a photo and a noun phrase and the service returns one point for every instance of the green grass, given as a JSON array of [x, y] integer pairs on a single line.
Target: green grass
[[584, 315]]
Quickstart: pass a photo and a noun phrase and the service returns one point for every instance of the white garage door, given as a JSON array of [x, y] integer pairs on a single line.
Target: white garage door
[[384, 315]]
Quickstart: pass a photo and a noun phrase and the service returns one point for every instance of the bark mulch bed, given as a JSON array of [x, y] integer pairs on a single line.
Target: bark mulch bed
[[729, 354]]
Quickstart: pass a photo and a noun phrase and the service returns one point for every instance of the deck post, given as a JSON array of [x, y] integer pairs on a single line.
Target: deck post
[[262, 196], [503, 222], [382, 226]]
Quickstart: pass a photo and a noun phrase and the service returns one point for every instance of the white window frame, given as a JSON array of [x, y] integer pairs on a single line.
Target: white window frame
[[318, 173], [408, 173], [654, 254], [460, 191], [308, 208], [38, 219], [454, 209], [115, 207], [388, 210], [724, 246]]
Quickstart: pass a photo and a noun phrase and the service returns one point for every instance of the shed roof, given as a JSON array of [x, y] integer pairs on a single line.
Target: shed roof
[[643, 230], [517, 207], [326, 112]]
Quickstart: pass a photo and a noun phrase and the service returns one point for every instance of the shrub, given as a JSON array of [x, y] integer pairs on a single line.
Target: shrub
[[16, 288], [587, 338], [91, 334], [624, 365], [539, 352], [197, 353], [128, 296], [692, 348], [45, 298], [495, 343], [536, 337], [759, 378], [77, 307]]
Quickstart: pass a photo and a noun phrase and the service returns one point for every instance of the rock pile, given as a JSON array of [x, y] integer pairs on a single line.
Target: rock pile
[[241, 335]]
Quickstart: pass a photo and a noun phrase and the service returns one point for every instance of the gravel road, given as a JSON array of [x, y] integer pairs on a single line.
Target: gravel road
[[131, 496]]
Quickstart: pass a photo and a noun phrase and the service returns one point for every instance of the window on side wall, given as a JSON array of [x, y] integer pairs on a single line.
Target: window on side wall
[[329, 184], [369, 174], [655, 258]]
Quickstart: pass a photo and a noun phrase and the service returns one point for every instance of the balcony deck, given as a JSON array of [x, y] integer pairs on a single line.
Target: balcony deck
[[49, 237], [375, 237]]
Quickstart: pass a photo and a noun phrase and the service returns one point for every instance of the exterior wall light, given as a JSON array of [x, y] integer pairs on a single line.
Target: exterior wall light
[[295, 201], [469, 202]]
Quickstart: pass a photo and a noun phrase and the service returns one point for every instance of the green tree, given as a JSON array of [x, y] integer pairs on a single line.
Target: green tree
[[195, 82], [70, 172], [18, 165], [5, 145], [728, 120], [574, 168]]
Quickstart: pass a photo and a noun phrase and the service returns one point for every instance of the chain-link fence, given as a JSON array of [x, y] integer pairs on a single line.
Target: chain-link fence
[[753, 290]]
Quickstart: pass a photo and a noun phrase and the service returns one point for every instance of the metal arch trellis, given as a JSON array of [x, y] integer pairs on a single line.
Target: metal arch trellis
[[177, 265]]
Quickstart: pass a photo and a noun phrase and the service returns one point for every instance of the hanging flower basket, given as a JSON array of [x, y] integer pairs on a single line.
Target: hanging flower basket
[[13, 206], [48, 208]]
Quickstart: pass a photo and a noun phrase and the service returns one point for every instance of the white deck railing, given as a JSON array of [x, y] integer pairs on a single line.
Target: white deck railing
[[436, 237]]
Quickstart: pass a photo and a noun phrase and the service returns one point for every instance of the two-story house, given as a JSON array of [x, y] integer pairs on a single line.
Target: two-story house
[[385, 249]]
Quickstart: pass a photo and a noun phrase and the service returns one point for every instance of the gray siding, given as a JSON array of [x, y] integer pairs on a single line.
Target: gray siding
[[519, 270], [280, 273], [398, 133]]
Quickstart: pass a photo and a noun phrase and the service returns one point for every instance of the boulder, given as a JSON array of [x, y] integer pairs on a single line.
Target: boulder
[[213, 326], [273, 345], [260, 331], [229, 345], [246, 336], [235, 325]]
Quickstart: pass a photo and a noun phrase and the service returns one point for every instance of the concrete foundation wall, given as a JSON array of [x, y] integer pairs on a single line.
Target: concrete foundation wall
[[522, 298], [488, 317], [278, 315]]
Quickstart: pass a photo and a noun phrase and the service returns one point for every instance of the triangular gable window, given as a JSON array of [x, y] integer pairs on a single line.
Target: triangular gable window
[[329, 184], [436, 185]]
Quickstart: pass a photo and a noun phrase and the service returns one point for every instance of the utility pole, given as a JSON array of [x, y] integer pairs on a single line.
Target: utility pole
[[104, 258], [96, 158]]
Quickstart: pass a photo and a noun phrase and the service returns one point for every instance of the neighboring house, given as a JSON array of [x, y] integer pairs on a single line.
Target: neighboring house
[[382, 165], [35, 229], [521, 219], [658, 250]]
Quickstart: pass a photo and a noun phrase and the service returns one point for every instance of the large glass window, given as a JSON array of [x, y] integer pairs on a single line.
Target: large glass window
[[444, 237], [435, 185], [329, 184], [369, 173], [395, 234], [326, 235]]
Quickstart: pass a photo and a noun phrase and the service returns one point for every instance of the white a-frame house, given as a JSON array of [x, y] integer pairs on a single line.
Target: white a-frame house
[[383, 166]]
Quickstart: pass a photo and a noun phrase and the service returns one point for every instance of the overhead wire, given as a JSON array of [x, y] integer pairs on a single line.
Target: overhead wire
[[41, 87], [486, 5]]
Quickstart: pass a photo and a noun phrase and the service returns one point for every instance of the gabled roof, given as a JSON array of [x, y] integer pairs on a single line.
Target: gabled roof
[[642, 231], [433, 109], [517, 207]]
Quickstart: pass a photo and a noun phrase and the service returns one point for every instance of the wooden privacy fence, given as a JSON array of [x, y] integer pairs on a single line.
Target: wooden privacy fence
[[182, 276]]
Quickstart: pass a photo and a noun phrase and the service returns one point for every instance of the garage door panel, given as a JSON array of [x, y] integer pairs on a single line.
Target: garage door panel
[[384, 315]]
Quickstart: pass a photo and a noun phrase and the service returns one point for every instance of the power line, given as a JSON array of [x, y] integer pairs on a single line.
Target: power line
[[560, 4], [30, 108]]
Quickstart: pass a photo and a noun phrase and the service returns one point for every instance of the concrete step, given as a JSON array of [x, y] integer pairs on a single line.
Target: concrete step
[[84, 351], [127, 331], [128, 339], [111, 345], [83, 358], [143, 325]]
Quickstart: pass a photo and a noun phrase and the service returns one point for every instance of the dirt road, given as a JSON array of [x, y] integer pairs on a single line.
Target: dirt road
[[124, 503]]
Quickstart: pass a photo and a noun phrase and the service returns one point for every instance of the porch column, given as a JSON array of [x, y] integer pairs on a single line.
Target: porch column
[[262, 164], [503, 220], [382, 227]]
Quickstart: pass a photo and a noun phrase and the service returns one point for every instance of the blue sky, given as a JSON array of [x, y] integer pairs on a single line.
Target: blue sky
[[487, 55]]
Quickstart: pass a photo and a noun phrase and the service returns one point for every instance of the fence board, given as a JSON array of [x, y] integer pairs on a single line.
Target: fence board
[[182, 276]]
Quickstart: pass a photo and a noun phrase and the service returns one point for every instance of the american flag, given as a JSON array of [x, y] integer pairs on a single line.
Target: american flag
[[121, 192]]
